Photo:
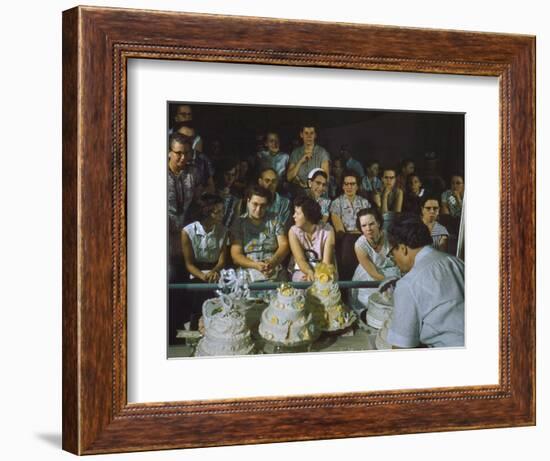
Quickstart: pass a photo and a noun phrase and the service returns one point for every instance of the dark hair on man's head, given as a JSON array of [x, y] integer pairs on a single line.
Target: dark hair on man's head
[[408, 229], [309, 124], [256, 189], [374, 212], [348, 173], [427, 197], [226, 164], [310, 208], [179, 138]]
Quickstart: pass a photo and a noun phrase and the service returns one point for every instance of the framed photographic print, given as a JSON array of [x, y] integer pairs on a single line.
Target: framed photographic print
[[253, 227]]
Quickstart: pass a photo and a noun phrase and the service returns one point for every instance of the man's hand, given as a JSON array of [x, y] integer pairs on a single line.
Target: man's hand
[[268, 268], [262, 267]]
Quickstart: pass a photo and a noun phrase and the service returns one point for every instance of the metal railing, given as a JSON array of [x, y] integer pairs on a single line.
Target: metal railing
[[270, 285]]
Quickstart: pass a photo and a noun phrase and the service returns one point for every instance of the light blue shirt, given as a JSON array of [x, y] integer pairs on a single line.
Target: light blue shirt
[[280, 208], [371, 185], [279, 162], [429, 302]]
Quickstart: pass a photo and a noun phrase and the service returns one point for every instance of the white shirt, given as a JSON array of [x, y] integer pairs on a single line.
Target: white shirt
[[429, 302], [207, 246]]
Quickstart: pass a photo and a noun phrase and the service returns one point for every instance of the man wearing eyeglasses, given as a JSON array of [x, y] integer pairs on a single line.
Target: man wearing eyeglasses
[[429, 298]]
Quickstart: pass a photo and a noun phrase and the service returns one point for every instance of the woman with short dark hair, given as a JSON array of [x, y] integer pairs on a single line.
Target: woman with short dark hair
[[318, 183], [429, 212], [311, 240], [413, 194], [204, 241], [343, 211]]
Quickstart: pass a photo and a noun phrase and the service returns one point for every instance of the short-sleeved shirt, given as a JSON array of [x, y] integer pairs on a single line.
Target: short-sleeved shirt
[[319, 155], [455, 207], [429, 302], [347, 211], [438, 233], [280, 207], [259, 241], [324, 203], [313, 247], [206, 245], [371, 184], [279, 162]]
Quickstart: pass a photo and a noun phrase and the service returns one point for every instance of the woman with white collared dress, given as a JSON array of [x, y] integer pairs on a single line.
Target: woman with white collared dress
[[343, 212], [204, 241], [204, 245], [372, 250]]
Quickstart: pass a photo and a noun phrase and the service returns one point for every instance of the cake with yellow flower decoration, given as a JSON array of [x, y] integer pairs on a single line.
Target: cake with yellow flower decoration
[[286, 321], [324, 300]]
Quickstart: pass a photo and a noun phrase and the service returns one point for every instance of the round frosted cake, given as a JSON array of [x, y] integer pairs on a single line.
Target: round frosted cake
[[285, 321], [379, 309], [324, 299], [226, 331]]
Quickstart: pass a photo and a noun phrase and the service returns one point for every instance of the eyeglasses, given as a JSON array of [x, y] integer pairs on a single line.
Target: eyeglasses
[[389, 254]]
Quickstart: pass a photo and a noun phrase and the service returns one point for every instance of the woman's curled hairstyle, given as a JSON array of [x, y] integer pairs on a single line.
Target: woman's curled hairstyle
[[310, 208]]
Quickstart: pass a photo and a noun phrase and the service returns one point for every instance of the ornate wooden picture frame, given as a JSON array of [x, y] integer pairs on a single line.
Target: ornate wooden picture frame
[[97, 44]]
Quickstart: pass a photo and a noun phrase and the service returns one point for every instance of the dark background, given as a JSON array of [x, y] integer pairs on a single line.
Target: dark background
[[388, 136]]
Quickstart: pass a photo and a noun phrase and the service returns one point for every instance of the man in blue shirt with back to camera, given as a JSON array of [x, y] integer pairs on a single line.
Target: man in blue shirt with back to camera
[[429, 298]]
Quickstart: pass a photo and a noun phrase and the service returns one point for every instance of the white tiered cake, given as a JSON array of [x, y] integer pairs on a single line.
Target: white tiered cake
[[286, 321], [324, 299], [226, 332]]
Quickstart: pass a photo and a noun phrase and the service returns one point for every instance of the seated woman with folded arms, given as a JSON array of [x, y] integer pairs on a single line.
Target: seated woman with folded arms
[[204, 246], [343, 212], [311, 240]]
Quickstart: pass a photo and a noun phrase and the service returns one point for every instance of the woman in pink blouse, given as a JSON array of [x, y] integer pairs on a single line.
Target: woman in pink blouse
[[311, 240]]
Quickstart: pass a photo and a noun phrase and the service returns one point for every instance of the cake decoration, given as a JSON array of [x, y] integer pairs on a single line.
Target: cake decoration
[[324, 299]]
